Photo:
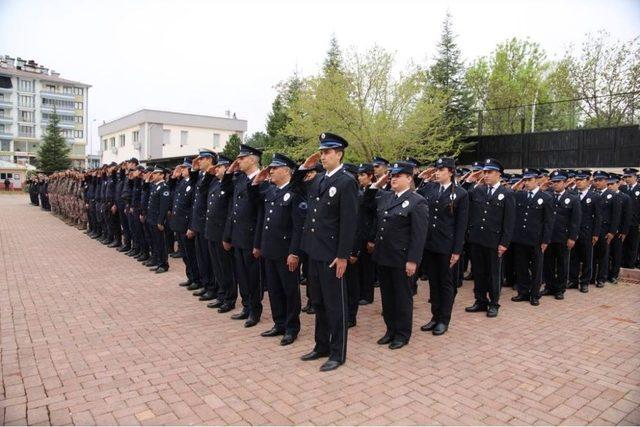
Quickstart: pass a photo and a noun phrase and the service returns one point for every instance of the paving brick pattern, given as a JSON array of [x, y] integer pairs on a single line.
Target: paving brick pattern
[[89, 336]]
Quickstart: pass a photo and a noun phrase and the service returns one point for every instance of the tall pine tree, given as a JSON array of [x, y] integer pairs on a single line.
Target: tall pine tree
[[53, 154], [232, 147], [447, 75]]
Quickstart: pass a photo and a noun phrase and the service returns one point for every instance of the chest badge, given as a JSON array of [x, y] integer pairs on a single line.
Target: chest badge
[[188, 188], [588, 200], [405, 203], [567, 201], [539, 201], [500, 196], [222, 192], [166, 193], [287, 196], [332, 191], [609, 196], [637, 193]]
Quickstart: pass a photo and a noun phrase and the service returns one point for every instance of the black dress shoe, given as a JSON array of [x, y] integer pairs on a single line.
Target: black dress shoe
[[215, 304], [386, 339], [287, 339], [313, 355], [329, 365], [225, 308], [244, 314], [364, 302], [599, 284], [440, 329], [584, 288], [429, 326], [194, 286], [148, 263], [534, 301], [545, 291], [187, 283], [207, 296], [124, 248], [154, 267], [176, 255], [199, 292], [273, 332], [476, 307], [520, 298], [142, 257], [161, 270], [251, 322], [351, 323], [572, 286], [492, 311], [559, 295], [114, 245], [613, 280], [396, 345]]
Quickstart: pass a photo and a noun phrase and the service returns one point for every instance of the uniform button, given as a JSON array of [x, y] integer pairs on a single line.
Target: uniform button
[[435, 217], [268, 219], [312, 230], [382, 229], [234, 221], [313, 220], [434, 226], [270, 211], [315, 210], [266, 227], [436, 209], [385, 212], [525, 220], [481, 228], [272, 203], [483, 219], [384, 220], [381, 238], [485, 211], [318, 198]]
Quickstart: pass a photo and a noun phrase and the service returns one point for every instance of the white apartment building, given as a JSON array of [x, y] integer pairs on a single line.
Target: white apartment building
[[163, 137], [29, 93]]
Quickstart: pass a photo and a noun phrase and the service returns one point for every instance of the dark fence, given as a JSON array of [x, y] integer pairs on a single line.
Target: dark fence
[[601, 147]]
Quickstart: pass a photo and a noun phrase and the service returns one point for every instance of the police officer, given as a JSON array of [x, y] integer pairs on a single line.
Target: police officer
[[610, 210], [279, 230], [401, 229], [218, 200], [531, 236], [327, 238], [630, 245], [148, 259], [159, 198], [566, 226], [351, 275], [381, 168], [206, 158], [448, 217], [615, 256], [181, 215], [365, 236], [240, 233], [491, 220]]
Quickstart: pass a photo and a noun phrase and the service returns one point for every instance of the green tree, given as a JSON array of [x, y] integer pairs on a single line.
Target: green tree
[[53, 153], [447, 76], [232, 147]]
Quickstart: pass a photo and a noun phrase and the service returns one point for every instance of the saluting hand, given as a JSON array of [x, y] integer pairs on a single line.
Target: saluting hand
[[233, 167], [311, 160], [571, 243], [211, 170], [381, 182], [261, 177]]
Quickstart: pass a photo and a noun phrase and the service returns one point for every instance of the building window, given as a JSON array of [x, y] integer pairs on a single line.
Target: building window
[[26, 131], [104, 144], [112, 142], [26, 116], [121, 140], [135, 135], [184, 135], [216, 140], [78, 91], [79, 119], [50, 88], [166, 136], [78, 105], [25, 101], [78, 134], [5, 145], [26, 85], [68, 90]]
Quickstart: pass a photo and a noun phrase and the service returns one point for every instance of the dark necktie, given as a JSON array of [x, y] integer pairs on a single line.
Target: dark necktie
[[323, 179], [489, 191], [530, 195]]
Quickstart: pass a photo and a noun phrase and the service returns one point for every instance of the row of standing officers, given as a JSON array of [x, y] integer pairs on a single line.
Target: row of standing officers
[[340, 226]]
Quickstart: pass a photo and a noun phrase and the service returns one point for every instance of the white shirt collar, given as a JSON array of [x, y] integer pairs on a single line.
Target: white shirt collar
[[401, 193], [445, 186], [534, 191], [283, 185], [333, 172], [558, 195], [253, 174]]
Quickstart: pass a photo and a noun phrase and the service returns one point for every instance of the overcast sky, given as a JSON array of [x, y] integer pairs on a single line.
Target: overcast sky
[[210, 56]]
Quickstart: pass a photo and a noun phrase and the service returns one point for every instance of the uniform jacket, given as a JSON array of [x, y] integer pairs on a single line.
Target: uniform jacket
[[218, 202], [491, 218], [610, 209], [240, 228], [159, 198], [568, 217], [534, 218]]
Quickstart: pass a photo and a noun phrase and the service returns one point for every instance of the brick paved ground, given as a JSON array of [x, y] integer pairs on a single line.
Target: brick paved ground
[[89, 336]]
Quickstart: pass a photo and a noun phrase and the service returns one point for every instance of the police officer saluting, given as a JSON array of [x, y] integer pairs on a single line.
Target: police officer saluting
[[278, 235], [491, 220], [400, 235], [327, 238], [159, 199], [566, 226], [610, 210], [448, 216], [632, 189]]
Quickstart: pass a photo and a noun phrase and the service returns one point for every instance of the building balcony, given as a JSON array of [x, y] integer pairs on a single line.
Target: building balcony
[[6, 119], [6, 89], [6, 103], [60, 110], [6, 135], [61, 125], [58, 95]]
